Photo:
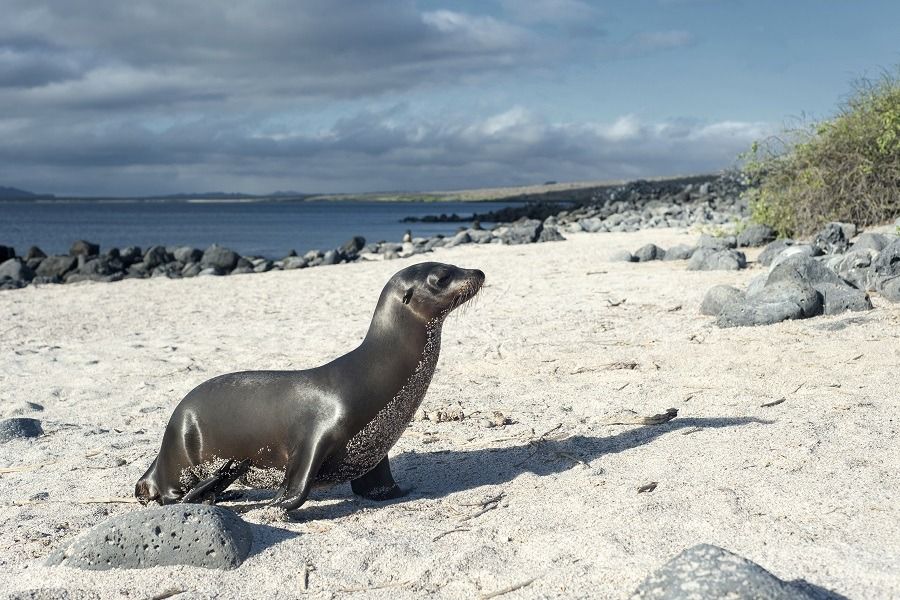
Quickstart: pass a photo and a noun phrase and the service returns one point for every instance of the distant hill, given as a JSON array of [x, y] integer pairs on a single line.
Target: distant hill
[[11, 193]]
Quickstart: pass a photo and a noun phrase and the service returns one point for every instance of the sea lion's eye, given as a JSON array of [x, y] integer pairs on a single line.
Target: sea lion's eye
[[439, 280]]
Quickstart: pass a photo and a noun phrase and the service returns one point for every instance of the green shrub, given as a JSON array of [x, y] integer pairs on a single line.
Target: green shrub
[[846, 168]]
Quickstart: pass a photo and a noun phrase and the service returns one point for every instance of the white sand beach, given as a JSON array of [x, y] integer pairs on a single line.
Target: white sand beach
[[563, 344]]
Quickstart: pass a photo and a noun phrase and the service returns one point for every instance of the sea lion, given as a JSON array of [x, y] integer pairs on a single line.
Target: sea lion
[[297, 429]]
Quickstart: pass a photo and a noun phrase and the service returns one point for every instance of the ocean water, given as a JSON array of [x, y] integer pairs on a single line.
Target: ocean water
[[269, 229]]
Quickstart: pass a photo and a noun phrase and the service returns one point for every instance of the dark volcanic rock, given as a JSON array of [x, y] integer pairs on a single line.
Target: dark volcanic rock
[[854, 268], [186, 255], [56, 266], [155, 256], [804, 269], [351, 248], [872, 241], [6, 253], [717, 297], [19, 427], [460, 238], [523, 231], [83, 248], [772, 250], [293, 262], [220, 258], [889, 288], [832, 239], [709, 259], [717, 243], [841, 298], [705, 572], [131, 255], [16, 269], [755, 235], [887, 263], [680, 252], [550, 234], [330, 258], [774, 303], [34, 252], [178, 534], [649, 252]]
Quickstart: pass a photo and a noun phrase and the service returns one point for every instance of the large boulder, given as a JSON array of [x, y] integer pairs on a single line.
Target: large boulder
[[872, 241], [220, 258], [680, 252], [772, 250], [717, 242], [710, 259], [56, 266], [34, 252], [889, 288], [6, 253], [854, 267], [83, 248], [293, 262], [717, 297], [351, 248], [774, 303], [156, 256], [178, 534], [131, 255], [460, 238], [706, 571], [887, 263], [649, 252], [806, 269], [755, 235], [620, 256], [19, 428], [480, 236], [550, 233], [523, 231], [16, 269], [833, 239], [795, 251], [837, 299], [187, 254]]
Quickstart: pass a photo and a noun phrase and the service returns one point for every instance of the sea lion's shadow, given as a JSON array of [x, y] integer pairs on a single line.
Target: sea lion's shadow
[[440, 473], [443, 472]]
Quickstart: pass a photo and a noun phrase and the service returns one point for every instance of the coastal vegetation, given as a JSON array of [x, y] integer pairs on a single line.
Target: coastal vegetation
[[846, 168]]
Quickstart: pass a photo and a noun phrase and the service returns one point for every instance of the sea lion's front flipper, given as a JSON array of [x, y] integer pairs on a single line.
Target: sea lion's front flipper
[[208, 489], [301, 471], [378, 484]]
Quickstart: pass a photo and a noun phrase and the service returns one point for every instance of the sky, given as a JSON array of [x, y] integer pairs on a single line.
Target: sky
[[104, 97]]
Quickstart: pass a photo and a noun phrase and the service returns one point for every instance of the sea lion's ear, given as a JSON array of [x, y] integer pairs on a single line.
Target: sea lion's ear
[[408, 296]]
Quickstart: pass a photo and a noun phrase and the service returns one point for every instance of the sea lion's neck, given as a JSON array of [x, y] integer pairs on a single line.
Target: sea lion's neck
[[396, 346]]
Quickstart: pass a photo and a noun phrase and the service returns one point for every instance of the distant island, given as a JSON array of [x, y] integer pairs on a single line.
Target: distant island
[[547, 191]]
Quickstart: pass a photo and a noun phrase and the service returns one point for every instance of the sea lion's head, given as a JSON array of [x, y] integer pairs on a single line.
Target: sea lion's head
[[432, 290]]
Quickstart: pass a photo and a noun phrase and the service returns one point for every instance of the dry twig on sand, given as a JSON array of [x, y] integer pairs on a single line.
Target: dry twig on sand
[[509, 589]]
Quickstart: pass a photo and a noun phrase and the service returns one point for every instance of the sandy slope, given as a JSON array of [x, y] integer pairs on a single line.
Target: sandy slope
[[808, 488]]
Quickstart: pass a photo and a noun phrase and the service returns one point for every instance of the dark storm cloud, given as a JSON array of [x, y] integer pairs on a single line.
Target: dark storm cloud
[[372, 150], [112, 97], [253, 50]]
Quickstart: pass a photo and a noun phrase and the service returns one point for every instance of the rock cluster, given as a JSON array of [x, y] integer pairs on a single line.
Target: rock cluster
[[711, 254], [85, 262], [178, 534], [707, 571], [828, 276]]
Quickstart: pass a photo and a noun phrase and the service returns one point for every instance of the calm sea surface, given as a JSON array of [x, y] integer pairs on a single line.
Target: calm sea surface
[[268, 229]]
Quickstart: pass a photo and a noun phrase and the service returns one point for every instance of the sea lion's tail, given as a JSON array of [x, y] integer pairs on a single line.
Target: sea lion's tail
[[146, 490]]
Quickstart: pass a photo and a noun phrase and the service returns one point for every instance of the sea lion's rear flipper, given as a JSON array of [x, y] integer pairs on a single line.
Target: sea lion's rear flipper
[[378, 484], [207, 490]]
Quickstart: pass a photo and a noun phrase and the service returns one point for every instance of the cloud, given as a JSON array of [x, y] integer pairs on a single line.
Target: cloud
[[370, 150]]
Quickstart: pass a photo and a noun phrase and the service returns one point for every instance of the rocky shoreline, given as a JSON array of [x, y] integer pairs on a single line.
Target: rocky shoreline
[[704, 200]]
